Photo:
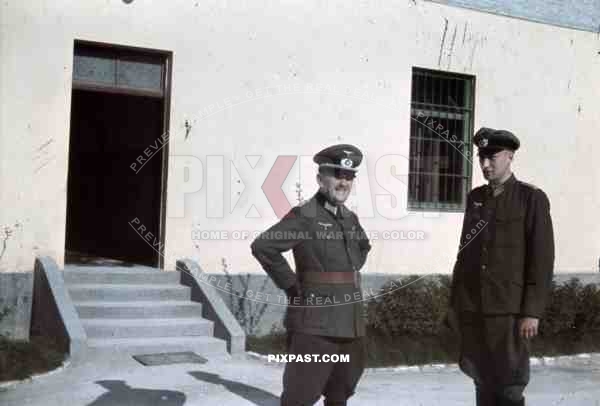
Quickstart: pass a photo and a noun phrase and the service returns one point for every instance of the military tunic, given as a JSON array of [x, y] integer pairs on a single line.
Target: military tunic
[[503, 271], [505, 262], [321, 242], [327, 241]]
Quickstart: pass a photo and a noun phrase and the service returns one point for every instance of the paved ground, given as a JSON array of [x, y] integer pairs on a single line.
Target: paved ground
[[117, 379]]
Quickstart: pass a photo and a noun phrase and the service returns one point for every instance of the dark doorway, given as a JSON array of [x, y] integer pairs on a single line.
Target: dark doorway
[[117, 156]]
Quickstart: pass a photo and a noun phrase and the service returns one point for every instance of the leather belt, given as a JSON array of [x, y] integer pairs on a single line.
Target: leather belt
[[331, 277]]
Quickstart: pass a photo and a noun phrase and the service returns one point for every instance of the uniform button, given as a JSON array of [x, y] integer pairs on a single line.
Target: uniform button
[[483, 267]]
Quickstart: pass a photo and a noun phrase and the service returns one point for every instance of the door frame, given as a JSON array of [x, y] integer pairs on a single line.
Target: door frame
[[167, 59]]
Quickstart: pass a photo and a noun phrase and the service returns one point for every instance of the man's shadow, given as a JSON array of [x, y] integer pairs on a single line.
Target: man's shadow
[[250, 393], [119, 393]]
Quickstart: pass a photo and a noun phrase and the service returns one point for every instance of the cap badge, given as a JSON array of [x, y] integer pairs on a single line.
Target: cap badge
[[346, 162], [483, 143]]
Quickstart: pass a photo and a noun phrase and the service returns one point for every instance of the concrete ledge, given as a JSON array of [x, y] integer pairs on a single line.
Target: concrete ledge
[[4, 386], [213, 306], [54, 314]]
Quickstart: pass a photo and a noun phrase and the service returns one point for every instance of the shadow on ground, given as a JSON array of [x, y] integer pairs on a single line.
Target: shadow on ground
[[119, 393], [252, 394]]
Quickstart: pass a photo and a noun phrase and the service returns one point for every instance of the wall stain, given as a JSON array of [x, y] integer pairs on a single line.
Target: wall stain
[[464, 34], [44, 145], [39, 168], [452, 47], [42, 153], [473, 54], [443, 41]]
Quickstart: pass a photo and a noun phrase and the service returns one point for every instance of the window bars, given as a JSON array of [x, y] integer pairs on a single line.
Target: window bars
[[440, 140]]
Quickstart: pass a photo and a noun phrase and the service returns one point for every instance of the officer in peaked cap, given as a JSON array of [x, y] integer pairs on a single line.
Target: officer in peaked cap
[[343, 158], [502, 275], [325, 311], [490, 141]]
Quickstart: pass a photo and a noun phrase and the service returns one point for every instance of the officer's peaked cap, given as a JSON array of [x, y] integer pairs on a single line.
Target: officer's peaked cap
[[490, 140], [341, 156]]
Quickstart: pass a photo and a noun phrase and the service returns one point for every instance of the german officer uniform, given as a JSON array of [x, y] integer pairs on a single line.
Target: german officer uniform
[[503, 271], [325, 311]]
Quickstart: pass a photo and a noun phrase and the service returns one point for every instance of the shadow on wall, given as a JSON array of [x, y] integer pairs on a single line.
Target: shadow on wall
[[119, 393], [252, 394]]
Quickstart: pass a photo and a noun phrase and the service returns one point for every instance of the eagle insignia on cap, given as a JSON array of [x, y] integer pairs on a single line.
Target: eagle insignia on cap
[[483, 143], [346, 162], [342, 157]]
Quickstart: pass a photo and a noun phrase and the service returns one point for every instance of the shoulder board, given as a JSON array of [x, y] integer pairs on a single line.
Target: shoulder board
[[302, 203], [529, 185], [477, 190]]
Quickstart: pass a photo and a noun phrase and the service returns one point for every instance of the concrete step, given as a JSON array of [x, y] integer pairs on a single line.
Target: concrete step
[[105, 268], [120, 276], [143, 328], [141, 309], [200, 345], [128, 293]]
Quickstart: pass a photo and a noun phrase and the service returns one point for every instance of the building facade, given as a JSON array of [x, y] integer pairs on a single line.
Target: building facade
[[152, 131]]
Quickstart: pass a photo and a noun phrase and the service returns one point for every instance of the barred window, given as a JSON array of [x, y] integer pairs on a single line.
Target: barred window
[[440, 140]]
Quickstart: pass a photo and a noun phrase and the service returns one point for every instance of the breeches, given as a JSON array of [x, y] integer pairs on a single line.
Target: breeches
[[494, 355], [305, 382]]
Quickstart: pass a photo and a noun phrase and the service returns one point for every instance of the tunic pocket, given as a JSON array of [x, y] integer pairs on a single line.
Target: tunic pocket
[[510, 228]]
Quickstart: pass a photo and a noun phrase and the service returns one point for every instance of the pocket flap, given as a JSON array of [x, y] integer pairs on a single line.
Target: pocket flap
[[509, 217]]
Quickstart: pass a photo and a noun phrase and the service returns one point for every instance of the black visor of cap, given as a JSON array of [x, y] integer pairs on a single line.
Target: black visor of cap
[[337, 172]]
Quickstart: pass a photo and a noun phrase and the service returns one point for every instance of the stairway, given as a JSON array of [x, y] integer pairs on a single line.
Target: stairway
[[139, 309]]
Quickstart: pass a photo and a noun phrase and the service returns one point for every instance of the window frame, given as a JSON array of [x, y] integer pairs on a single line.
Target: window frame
[[429, 110], [119, 53]]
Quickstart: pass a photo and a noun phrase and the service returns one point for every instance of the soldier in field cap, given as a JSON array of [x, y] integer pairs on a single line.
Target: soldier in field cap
[[325, 315], [502, 274]]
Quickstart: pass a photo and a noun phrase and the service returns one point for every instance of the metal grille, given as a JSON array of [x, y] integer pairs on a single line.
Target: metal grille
[[440, 140]]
